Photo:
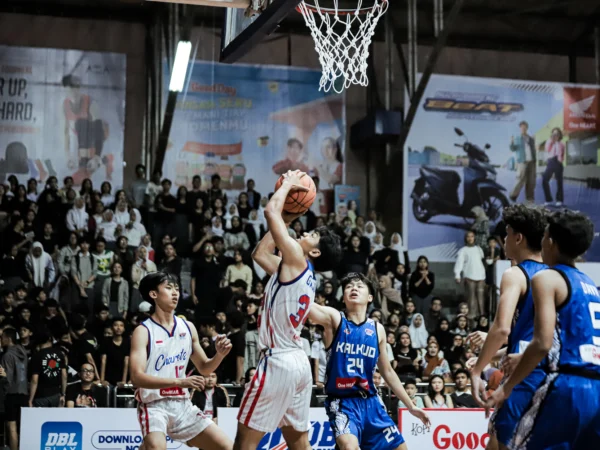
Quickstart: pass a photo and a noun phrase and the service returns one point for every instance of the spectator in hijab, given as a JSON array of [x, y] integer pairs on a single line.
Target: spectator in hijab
[[40, 267], [389, 298], [254, 229], [418, 332], [235, 238], [443, 335], [77, 217]]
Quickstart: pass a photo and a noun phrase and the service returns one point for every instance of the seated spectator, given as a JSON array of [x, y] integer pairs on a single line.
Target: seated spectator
[[482, 324], [393, 324], [53, 318], [409, 313], [418, 332], [107, 229], [147, 244], [386, 259], [181, 230], [99, 321], [456, 353], [142, 267], [354, 260], [433, 316], [171, 263], [462, 397], [125, 255], [249, 375], [434, 364], [411, 389], [98, 216], [400, 281], [421, 285], [254, 228], [114, 355], [207, 327], [12, 268], [376, 315], [134, 230], [48, 369], [106, 196], [115, 291], [104, 259], [86, 393], [435, 397], [462, 326], [235, 238], [85, 344], [406, 358], [443, 335], [252, 352], [233, 363], [239, 271], [211, 398], [318, 355], [390, 342], [258, 290]]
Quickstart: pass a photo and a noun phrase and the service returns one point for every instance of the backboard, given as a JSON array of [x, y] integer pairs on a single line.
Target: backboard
[[245, 28]]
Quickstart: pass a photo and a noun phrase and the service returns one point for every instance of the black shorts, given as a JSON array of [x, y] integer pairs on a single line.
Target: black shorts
[[13, 404]]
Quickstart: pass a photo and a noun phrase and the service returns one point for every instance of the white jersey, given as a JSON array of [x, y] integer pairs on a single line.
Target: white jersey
[[168, 357], [284, 310]]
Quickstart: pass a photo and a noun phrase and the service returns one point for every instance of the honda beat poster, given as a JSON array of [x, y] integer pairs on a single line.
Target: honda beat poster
[[497, 142]]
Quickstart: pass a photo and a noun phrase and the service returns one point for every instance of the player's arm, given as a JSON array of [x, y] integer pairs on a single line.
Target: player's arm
[[264, 254], [392, 380], [291, 252], [138, 359], [204, 364], [512, 286], [329, 318]]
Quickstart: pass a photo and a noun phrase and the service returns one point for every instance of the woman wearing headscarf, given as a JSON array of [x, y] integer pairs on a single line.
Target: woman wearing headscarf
[[142, 267], [77, 217], [254, 228], [235, 238], [217, 226], [418, 332], [389, 298], [396, 244], [370, 231], [40, 267], [232, 212]]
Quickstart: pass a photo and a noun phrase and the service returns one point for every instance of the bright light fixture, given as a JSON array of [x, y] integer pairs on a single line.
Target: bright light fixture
[[182, 58]]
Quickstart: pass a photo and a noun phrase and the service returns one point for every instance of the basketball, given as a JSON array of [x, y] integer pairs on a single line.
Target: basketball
[[298, 202]]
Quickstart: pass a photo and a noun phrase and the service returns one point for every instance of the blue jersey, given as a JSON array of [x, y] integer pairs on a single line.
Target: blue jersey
[[352, 359], [576, 347], [522, 328]]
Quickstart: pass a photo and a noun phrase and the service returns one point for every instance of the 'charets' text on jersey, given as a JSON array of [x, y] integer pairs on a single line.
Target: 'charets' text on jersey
[[284, 309], [168, 357], [352, 359]]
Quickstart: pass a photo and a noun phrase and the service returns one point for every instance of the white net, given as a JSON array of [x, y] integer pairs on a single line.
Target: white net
[[342, 39]]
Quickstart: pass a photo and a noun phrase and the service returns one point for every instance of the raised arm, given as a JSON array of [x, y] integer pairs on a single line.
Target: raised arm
[[264, 254], [206, 365], [138, 359]]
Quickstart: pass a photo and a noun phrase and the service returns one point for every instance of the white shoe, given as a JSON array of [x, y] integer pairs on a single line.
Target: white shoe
[[558, 204], [548, 204]]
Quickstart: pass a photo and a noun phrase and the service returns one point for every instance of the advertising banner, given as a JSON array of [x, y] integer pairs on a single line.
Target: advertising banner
[[255, 122], [347, 197], [451, 429], [497, 141], [62, 113], [83, 429]]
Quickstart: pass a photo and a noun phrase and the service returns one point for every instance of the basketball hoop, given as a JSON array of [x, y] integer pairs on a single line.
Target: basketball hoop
[[342, 39]]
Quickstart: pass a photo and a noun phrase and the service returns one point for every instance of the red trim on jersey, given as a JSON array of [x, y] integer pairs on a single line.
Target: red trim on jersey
[[247, 396], [147, 420], [260, 388]]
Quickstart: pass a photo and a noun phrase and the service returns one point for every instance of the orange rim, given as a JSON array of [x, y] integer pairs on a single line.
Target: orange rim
[[339, 12]]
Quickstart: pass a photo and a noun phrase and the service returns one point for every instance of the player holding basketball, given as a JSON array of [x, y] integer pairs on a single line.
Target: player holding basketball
[[280, 391], [160, 351], [356, 413], [525, 226], [565, 411]]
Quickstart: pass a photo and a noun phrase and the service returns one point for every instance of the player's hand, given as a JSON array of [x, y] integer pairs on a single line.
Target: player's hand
[[193, 382], [2, 372], [510, 362], [478, 389], [496, 400], [223, 345], [471, 363], [477, 338], [293, 177], [421, 415]]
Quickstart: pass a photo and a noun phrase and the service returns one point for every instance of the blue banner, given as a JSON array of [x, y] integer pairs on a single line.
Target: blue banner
[[243, 122]]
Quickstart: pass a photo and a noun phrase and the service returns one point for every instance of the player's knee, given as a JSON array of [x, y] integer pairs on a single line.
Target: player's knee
[[349, 444]]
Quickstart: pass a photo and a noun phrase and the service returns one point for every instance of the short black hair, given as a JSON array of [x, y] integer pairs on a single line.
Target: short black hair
[[101, 239], [207, 321], [117, 319], [464, 371], [77, 322], [410, 381], [240, 284], [331, 250], [84, 239], [215, 177], [524, 122], [572, 231], [152, 281], [11, 334], [166, 180], [529, 220], [43, 336], [352, 276]]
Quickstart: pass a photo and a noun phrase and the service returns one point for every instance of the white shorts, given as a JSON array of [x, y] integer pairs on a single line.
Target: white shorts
[[279, 393], [179, 419]]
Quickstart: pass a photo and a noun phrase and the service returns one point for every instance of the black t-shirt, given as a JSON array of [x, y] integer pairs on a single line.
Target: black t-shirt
[[86, 343], [405, 361], [115, 359], [48, 364], [465, 400], [49, 244], [238, 347], [94, 394], [114, 291], [168, 201]]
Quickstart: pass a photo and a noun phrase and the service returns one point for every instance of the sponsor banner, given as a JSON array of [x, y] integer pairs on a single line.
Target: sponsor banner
[[62, 113], [452, 429], [320, 435], [497, 141], [83, 429], [347, 197], [246, 121]]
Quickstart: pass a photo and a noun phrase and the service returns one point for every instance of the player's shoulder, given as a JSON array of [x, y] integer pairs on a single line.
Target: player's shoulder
[[514, 274], [190, 326], [141, 333], [549, 277]]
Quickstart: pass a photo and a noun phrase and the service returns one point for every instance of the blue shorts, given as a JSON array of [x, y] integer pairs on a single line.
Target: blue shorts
[[365, 418], [504, 422], [564, 415]]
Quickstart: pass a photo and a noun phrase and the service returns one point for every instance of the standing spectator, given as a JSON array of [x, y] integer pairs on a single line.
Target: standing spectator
[[318, 354], [197, 192], [49, 240], [254, 229], [422, 283], [83, 271], [524, 148], [433, 316], [133, 230], [481, 227], [165, 208], [25, 333], [252, 353], [435, 397], [14, 362], [114, 366], [104, 259], [15, 236], [354, 260], [153, 189], [107, 228], [243, 206], [418, 332], [125, 255], [237, 402], [67, 254], [77, 218], [142, 267], [389, 298], [253, 196], [386, 259], [115, 291], [48, 375], [239, 271], [215, 192], [32, 193], [400, 281], [233, 363], [235, 237], [462, 397], [408, 314], [181, 230], [86, 393], [171, 263], [556, 152], [85, 346], [469, 269], [207, 325], [206, 276], [99, 321], [40, 267], [211, 398], [106, 196], [137, 188]]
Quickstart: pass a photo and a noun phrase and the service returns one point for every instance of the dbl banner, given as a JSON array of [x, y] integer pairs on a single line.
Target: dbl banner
[[496, 142], [255, 122], [451, 429], [62, 113]]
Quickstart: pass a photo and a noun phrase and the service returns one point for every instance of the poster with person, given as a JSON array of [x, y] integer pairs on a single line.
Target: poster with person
[[62, 113], [496, 142], [254, 122]]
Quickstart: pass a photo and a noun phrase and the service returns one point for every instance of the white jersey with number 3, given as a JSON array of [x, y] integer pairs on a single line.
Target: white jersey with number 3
[[168, 356], [284, 310]]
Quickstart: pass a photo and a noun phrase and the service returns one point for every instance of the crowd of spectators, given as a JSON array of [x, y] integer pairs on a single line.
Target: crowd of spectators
[[72, 260]]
